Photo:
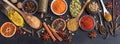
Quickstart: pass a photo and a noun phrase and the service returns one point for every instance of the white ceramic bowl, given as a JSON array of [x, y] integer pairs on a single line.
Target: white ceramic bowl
[[58, 13], [36, 4], [84, 28]]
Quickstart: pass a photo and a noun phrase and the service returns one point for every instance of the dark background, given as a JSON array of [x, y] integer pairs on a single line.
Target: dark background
[[80, 37]]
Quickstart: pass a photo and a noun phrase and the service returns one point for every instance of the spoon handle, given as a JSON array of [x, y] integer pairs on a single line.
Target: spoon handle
[[100, 18], [87, 1], [103, 5]]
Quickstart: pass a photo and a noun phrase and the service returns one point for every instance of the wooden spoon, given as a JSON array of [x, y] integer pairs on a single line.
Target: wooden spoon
[[33, 21], [75, 20]]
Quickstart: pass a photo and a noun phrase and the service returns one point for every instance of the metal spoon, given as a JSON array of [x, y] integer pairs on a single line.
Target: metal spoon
[[107, 15], [102, 27]]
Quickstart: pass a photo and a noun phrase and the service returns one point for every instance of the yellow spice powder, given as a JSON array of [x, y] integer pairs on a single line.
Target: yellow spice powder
[[16, 18]]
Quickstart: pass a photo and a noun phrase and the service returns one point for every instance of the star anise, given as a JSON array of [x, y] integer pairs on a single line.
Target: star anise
[[45, 36], [92, 34], [62, 33]]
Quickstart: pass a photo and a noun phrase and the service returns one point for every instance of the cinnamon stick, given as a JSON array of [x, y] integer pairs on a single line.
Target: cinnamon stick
[[55, 34], [49, 32]]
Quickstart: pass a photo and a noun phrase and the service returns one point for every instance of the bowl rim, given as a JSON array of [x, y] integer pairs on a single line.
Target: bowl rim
[[57, 20], [87, 29], [35, 4], [58, 13]]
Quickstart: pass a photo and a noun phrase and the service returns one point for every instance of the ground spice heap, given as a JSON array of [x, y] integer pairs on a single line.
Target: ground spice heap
[[87, 23], [16, 18], [59, 6]]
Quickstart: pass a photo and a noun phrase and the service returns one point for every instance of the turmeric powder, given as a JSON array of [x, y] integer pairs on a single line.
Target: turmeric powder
[[16, 18], [59, 6]]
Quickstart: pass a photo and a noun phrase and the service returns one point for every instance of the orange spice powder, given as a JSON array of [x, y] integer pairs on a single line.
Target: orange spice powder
[[59, 6]]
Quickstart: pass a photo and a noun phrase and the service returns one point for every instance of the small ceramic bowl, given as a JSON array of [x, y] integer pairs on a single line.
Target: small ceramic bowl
[[36, 8], [84, 28], [59, 24], [58, 13]]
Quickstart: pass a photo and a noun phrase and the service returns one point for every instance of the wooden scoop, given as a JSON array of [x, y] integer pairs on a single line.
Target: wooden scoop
[[33, 21], [75, 20]]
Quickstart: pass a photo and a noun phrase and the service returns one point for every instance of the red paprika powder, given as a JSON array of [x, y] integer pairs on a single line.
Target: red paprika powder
[[87, 23]]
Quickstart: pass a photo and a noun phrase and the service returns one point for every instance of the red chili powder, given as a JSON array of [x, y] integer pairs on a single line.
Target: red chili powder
[[87, 23]]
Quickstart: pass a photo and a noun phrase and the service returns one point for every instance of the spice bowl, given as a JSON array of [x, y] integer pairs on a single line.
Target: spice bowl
[[87, 23], [30, 6], [58, 7], [59, 24]]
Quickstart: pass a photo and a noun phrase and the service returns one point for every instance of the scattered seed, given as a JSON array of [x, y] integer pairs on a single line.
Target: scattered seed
[[95, 17], [67, 19], [68, 16], [100, 10], [24, 33], [42, 15], [73, 34], [70, 32], [42, 31], [45, 19]]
